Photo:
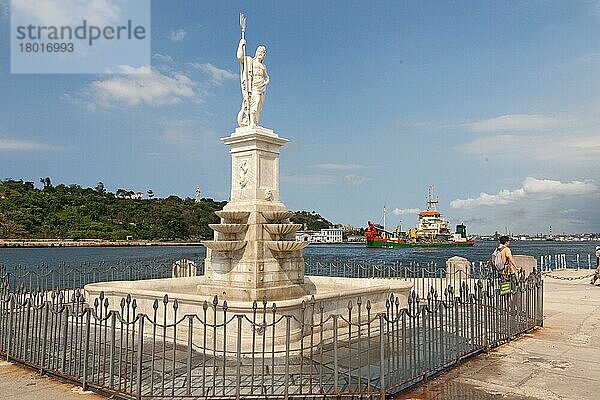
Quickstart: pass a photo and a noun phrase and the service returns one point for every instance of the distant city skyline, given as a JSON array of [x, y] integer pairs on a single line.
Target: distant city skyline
[[494, 103]]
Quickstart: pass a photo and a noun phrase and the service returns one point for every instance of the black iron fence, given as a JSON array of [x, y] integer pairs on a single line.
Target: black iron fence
[[266, 353], [54, 277], [44, 277], [67, 276]]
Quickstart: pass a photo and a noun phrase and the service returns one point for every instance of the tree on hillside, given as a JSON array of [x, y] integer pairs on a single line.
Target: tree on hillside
[[70, 211], [7, 226], [100, 188], [46, 182], [311, 221]]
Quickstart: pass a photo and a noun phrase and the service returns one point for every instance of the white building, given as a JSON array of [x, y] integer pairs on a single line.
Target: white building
[[328, 235], [304, 236], [331, 235]]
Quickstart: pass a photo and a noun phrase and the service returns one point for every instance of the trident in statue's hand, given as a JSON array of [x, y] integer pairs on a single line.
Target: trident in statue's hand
[[244, 113], [243, 24]]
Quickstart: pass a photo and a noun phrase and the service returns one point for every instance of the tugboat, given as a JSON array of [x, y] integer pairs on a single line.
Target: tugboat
[[432, 231]]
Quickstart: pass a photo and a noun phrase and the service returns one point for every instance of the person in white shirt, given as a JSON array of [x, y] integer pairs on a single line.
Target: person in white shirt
[[507, 258]]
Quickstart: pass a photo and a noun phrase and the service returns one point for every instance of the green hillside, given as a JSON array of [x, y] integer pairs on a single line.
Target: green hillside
[[73, 212]]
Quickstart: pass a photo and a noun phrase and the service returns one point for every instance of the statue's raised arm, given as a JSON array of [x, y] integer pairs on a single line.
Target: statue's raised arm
[[253, 79], [241, 50]]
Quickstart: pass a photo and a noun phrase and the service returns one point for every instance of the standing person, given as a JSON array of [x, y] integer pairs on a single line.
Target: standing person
[[253, 92], [510, 266], [597, 273]]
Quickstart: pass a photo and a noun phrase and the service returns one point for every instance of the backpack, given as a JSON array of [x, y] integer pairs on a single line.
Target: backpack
[[496, 259]]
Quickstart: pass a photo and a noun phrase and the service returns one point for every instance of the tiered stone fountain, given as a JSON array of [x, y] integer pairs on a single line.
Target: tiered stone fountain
[[254, 254]]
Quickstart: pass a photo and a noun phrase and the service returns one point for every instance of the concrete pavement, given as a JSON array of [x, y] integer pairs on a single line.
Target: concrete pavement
[[559, 361], [20, 383]]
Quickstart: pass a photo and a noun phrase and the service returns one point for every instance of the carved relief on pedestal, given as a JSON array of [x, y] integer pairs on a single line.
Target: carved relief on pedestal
[[243, 173]]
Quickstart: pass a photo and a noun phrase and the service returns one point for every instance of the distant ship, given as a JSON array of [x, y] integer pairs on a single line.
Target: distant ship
[[432, 231]]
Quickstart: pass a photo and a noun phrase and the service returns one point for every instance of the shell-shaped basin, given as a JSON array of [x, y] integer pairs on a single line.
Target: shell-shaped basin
[[224, 245], [282, 229], [228, 229], [233, 215], [276, 216], [285, 245]]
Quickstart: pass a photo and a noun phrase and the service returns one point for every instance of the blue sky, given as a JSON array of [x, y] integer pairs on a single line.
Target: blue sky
[[496, 104]]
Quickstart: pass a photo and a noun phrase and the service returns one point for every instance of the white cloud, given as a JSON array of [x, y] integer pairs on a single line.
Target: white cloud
[[405, 211], [217, 75], [338, 167], [141, 86], [163, 58], [26, 145], [517, 122], [532, 189], [178, 35], [562, 149], [590, 57], [68, 12], [355, 180]]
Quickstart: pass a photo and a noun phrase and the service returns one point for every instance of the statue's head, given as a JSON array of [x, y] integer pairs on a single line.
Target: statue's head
[[261, 52]]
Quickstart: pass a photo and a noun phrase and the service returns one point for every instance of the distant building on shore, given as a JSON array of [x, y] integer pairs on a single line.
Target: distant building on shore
[[327, 235], [357, 239]]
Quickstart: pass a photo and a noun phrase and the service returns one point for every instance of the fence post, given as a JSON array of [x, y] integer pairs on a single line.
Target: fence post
[[381, 358], [44, 341], [486, 314], [142, 317], [335, 354], [287, 355], [10, 325], [540, 301], [64, 342], [471, 299], [111, 364], [189, 356], [28, 324], [88, 312], [238, 371]]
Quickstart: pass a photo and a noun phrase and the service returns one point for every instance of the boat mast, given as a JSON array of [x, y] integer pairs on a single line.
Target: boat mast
[[384, 218], [432, 201]]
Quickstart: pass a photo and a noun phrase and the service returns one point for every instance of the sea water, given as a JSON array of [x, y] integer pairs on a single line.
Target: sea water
[[576, 254]]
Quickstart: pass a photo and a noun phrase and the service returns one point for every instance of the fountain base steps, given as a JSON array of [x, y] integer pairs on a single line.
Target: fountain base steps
[[332, 294]]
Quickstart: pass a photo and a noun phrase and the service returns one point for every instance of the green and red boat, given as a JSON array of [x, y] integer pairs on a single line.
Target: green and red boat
[[432, 231]]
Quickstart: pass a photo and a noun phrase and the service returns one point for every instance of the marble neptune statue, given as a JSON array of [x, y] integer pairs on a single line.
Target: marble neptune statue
[[254, 80]]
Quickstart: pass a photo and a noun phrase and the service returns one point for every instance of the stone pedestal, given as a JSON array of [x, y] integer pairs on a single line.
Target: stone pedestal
[[254, 254], [458, 267], [254, 167], [527, 263]]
